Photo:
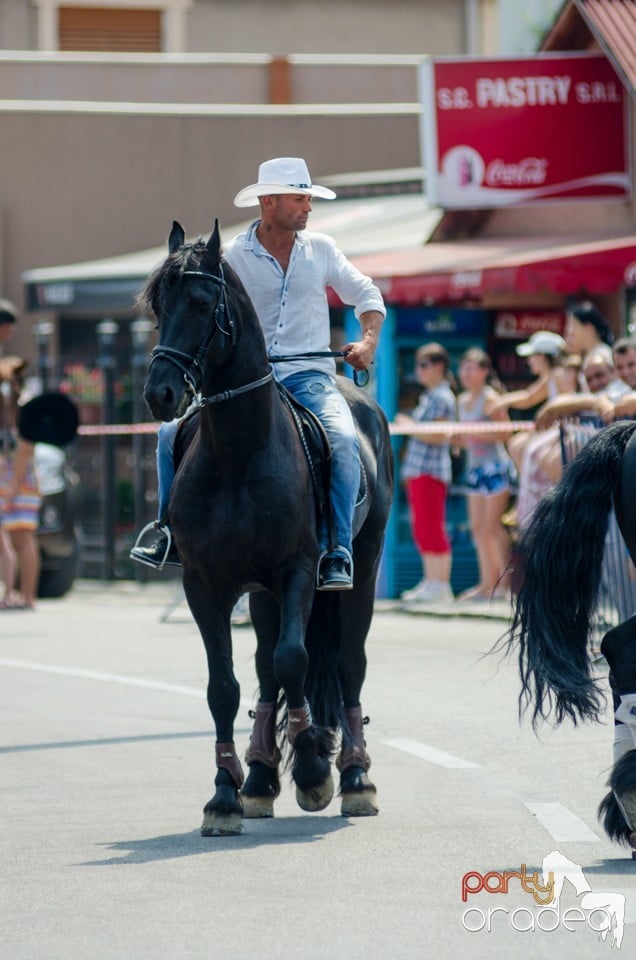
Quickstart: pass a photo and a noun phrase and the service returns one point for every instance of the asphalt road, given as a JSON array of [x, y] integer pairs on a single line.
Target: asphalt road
[[106, 752]]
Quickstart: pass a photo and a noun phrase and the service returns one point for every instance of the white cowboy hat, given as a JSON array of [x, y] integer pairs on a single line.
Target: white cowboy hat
[[281, 175]]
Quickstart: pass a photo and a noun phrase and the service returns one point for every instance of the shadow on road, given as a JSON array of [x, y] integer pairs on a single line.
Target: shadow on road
[[256, 833]]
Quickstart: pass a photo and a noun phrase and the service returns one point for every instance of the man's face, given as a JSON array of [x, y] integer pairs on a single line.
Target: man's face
[[625, 364], [597, 374], [6, 329], [290, 211]]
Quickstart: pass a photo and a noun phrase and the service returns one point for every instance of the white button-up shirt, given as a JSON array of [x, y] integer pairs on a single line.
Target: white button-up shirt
[[292, 305]]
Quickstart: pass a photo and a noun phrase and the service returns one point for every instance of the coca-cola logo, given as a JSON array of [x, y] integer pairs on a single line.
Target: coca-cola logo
[[529, 172]]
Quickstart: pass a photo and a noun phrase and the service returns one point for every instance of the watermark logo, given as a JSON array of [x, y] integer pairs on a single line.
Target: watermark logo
[[602, 912]]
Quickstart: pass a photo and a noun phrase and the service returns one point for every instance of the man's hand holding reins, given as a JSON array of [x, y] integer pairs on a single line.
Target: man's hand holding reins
[[360, 353]]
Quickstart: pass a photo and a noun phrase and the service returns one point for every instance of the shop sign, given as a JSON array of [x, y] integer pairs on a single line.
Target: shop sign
[[439, 324], [516, 324], [55, 294], [523, 130]]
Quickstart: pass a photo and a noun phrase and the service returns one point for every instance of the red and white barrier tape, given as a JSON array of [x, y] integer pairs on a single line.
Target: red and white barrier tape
[[116, 429], [447, 427], [455, 428]]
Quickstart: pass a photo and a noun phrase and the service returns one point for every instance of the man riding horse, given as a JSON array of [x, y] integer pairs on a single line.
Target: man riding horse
[[286, 271]]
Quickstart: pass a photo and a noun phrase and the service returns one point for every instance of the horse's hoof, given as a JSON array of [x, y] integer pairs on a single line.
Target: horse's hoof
[[358, 793], [315, 798], [221, 824], [257, 807], [362, 804]]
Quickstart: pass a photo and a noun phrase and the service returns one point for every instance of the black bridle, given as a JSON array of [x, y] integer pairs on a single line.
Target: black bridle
[[191, 365]]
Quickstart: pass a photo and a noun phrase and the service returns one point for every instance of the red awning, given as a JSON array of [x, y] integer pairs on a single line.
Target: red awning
[[460, 271]]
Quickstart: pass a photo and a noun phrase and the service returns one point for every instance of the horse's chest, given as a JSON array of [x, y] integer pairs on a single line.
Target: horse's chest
[[232, 498]]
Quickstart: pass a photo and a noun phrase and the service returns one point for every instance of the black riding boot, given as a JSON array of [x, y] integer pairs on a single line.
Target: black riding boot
[[160, 552]]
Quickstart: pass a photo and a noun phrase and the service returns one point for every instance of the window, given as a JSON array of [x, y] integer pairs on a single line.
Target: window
[[109, 29], [113, 26]]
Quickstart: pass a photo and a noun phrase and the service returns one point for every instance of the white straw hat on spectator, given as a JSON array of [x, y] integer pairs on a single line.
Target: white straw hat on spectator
[[281, 175], [543, 341]]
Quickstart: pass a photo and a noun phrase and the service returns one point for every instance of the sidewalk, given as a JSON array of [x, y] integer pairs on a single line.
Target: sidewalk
[[477, 609], [169, 596]]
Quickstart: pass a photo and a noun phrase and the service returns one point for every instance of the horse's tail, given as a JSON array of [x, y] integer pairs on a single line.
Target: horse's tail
[[559, 560], [322, 641]]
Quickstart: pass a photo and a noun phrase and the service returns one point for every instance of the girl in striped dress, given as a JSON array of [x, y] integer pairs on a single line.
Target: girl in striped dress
[[19, 495]]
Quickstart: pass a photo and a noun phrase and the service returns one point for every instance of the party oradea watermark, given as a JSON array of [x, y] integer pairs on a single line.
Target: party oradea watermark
[[599, 912]]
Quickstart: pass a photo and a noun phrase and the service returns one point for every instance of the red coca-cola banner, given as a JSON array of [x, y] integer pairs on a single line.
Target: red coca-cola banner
[[515, 324], [523, 130]]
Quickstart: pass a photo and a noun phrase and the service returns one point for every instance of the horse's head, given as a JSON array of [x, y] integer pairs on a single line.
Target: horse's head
[[188, 295]]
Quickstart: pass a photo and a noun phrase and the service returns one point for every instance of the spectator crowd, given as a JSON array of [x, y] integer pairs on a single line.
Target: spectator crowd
[[583, 376]]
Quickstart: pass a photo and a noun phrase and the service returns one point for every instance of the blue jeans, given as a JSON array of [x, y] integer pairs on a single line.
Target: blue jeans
[[316, 391], [165, 466]]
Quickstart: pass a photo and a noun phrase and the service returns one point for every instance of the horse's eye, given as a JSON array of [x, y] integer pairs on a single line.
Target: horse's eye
[[201, 306]]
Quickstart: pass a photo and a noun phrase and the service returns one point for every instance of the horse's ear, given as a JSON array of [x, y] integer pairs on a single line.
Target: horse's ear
[[213, 248], [176, 238]]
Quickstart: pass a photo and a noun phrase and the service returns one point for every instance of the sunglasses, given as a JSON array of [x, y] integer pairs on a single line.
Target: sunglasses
[[423, 364]]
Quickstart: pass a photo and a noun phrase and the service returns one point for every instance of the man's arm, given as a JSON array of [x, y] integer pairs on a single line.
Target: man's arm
[[360, 353], [567, 405]]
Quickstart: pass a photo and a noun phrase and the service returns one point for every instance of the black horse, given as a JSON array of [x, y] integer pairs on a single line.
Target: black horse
[[243, 511], [559, 568]]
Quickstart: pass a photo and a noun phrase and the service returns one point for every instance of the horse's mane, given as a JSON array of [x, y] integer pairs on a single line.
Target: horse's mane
[[152, 297]]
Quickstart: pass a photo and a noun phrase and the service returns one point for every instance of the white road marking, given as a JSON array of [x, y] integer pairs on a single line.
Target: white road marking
[[561, 823], [424, 752], [197, 692]]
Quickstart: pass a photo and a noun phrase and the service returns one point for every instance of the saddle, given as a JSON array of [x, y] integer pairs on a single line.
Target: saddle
[[315, 443]]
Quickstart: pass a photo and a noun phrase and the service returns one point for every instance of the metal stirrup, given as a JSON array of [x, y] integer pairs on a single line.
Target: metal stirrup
[[156, 525]]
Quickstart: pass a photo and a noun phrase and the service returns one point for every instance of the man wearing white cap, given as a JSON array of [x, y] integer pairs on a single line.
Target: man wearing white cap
[[286, 273]]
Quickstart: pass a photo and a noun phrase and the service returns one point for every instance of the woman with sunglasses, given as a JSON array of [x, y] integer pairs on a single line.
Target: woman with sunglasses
[[426, 471]]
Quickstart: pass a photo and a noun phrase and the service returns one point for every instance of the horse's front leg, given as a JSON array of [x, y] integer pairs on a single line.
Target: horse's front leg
[[263, 756], [312, 746], [222, 813]]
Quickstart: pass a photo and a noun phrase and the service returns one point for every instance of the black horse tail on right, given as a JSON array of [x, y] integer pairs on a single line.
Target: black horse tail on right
[[559, 563]]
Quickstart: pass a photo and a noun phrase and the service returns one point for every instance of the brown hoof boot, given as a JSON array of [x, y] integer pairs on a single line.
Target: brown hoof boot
[[358, 793], [222, 814], [263, 756], [353, 752]]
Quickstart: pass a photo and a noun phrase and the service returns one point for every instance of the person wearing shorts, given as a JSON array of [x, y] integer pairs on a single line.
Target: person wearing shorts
[[489, 475], [426, 471]]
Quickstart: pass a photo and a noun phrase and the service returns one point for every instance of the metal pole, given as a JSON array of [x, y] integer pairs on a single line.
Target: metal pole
[[107, 332], [140, 331], [43, 332]]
